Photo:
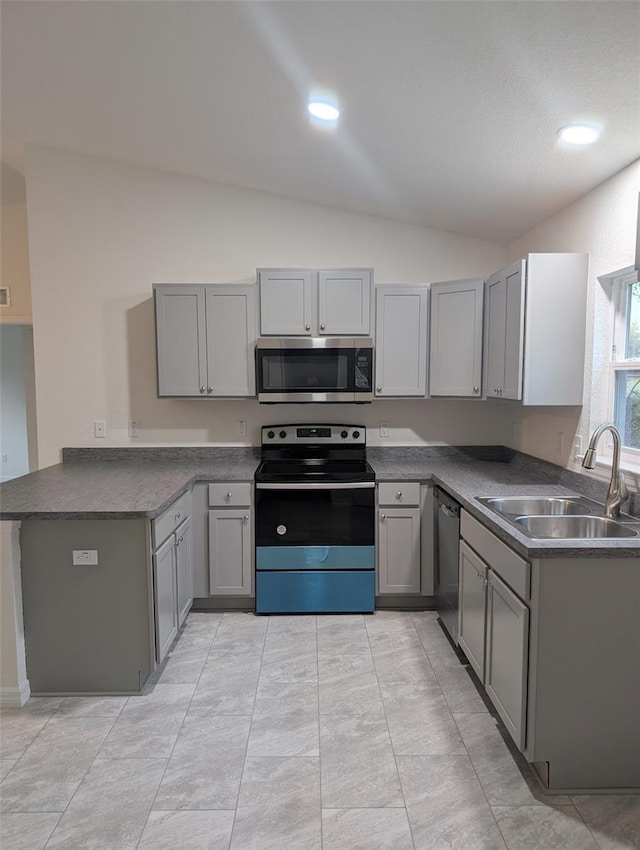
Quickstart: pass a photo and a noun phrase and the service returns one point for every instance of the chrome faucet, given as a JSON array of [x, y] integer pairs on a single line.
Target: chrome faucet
[[617, 493]]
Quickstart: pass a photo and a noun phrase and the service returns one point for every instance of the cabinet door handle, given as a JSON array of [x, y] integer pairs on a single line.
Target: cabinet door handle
[[399, 495], [210, 389], [378, 389], [178, 515], [203, 389], [476, 389], [322, 327], [307, 327], [383, 517], [227, 498], [245, 518]]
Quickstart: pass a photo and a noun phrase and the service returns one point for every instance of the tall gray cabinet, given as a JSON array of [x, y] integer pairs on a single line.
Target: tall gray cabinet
[[205, 339]]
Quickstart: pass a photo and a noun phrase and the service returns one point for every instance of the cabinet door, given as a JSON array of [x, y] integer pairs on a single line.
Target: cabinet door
[[456, 338], [164, 593], [286, 302], [494, 334], [514, 278], [344, 302], [184, 566], [472, 608], [181, 340], [507, 656], [231, 337], [401, 340], [230, 553], [399, 550]]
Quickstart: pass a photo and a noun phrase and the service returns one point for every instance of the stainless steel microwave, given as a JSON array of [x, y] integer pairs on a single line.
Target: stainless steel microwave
[[308, 369]]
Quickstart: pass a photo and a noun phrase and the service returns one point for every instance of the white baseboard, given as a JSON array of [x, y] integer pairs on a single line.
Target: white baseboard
[[15, 697]]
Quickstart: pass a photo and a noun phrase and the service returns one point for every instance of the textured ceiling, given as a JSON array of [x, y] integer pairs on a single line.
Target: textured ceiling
[[450, 109]]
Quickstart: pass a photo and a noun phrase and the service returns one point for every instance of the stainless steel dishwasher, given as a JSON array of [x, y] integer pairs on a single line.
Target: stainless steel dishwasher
[[447, 546]]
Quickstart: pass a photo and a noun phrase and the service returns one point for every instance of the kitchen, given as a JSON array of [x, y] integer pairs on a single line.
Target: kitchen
[[126, 227]]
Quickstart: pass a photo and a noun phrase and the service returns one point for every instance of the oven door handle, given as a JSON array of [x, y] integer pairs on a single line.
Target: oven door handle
[[318, 485]]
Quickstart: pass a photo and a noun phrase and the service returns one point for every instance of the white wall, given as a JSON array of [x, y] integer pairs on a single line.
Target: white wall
[[101, 234], [603, 223], [14, 340], [15, 262]]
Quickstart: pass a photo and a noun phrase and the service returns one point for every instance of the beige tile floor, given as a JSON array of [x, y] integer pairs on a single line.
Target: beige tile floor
[[291, 733]]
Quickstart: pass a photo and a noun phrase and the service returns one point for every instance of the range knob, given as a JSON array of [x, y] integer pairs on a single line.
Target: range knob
[[344, 434], [270, 435], [356, 434], [282, 434]]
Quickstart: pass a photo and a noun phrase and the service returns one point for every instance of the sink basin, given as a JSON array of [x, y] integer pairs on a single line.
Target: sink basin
[[539, 505], [572, 527]]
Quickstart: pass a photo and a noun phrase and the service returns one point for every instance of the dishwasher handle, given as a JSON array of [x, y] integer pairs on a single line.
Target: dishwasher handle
[[452, 514]]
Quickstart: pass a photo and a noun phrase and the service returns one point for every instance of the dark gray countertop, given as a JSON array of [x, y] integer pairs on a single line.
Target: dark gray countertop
[[137, 482]]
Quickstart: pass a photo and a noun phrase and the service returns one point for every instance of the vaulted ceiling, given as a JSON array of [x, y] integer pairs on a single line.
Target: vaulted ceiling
[[449, 109]]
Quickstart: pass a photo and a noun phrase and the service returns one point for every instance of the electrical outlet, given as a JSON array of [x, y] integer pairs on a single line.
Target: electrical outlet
[[384, 430], [134, 428], [242, 427], [85, 557], [99, 428]]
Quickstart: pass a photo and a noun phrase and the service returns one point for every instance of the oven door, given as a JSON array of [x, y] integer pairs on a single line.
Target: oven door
[[313, 370], [316, 514]]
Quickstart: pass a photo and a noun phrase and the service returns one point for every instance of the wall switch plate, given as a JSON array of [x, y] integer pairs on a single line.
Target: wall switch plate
[[134, 428], [384, 430], [85, 557], [242, 427], [99, 428]]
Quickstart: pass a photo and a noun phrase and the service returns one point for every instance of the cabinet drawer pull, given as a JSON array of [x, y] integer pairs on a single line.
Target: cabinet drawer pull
[[245, 518], [399, 494], [227, 498], [307, 327], [383, 517]]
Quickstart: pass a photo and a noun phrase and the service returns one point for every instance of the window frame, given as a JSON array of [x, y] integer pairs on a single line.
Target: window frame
[[620, 281]]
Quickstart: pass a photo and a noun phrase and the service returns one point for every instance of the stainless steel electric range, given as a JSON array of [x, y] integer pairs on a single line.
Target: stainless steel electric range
[[314, 533]]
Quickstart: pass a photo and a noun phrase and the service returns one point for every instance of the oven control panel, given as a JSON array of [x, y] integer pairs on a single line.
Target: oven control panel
[[303, 434]]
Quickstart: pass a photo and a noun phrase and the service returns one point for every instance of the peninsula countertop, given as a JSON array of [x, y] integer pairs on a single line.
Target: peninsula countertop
[[129, 483]]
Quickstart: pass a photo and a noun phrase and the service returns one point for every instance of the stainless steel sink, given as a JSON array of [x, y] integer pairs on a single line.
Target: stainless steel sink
[[573, 527], [538, 505]]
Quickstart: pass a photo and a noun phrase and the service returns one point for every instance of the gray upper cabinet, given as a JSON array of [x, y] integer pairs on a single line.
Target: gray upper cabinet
[[534, 332], [455, 361], [402, 316], [311, 302], [286, 307], [344, 302], [205, 337]]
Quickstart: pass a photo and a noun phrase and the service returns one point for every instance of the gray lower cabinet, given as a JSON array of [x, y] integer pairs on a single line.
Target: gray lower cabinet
[[472, 608], [165, 597], [398, 549], [230, 539], [172, 571], [184, 567], [230, 551], [507, 656]]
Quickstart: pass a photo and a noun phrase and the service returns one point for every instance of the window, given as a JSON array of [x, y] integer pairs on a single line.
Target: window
[[624, 385]]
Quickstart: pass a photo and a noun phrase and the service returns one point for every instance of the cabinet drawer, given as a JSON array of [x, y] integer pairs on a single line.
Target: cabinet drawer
[[509, 566], [168, 521], [399, 493], [236, 494]]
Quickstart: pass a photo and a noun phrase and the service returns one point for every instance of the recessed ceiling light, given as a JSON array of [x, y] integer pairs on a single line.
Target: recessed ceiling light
[[579, 134], [323, 110]]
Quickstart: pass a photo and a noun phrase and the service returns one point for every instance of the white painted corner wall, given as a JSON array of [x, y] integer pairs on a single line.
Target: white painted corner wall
[[101, 234]]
